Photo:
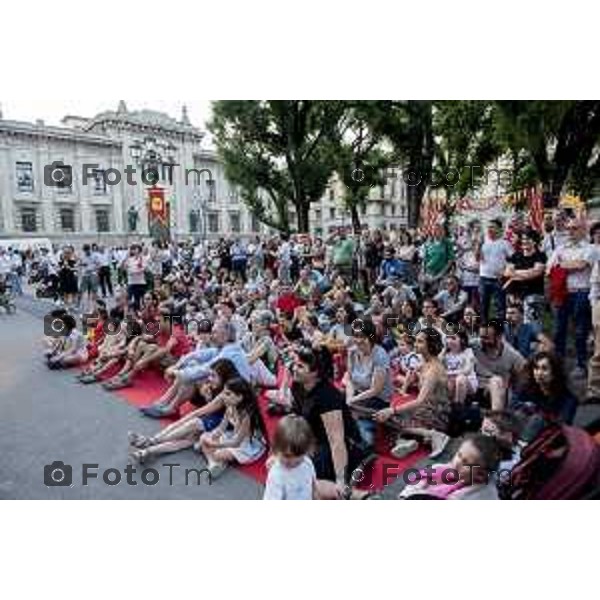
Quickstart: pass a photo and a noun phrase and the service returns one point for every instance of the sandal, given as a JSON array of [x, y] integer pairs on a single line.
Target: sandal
[[117, 384], [89, 378], [139, 456], [139, 441]]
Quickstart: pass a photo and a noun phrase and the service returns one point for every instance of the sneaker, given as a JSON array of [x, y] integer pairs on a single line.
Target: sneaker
[[403, 448], [439, 441]]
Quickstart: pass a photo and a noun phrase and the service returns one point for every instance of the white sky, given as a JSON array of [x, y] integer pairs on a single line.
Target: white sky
[[53, 110]]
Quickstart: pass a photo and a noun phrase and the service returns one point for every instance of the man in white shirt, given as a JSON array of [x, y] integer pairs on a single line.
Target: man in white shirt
[[593, 386], [575, 257], [104, 273], [492, 255], [284, 256], [5, 262]]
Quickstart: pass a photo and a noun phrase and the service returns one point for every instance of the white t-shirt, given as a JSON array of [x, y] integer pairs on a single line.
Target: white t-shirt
[[576, 251], [290, 484], [135, 266], [5, 265], [493, 258]]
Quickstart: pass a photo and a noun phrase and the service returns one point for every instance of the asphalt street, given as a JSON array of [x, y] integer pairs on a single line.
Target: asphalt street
[[45, 416]]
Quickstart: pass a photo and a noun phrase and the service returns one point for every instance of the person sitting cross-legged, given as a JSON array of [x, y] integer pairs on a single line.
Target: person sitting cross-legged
[[111, 351], [171, 344]]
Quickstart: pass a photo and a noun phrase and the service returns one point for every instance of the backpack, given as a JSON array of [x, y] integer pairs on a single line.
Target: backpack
[[562, 463]]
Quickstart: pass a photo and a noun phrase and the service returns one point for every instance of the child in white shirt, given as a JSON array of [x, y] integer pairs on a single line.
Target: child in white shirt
[[459, 361], [291, 472]]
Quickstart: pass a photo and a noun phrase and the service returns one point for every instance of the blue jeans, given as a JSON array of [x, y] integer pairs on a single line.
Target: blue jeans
[[576, 306], [489, 288]]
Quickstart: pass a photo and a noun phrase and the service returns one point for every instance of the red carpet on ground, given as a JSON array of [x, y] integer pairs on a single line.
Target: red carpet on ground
[[148, 386]]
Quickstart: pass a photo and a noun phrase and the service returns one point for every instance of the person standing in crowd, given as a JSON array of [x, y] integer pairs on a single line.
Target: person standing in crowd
[[16, 272], [5, 263], [239, 259], [493, 255], [135, 267], [88, 266], [593, 384], [556, 234], [468, 263], [68, 275], [525, 276], [438, 259], [343, 254], [574, 258], [104, 272], [284, 260]]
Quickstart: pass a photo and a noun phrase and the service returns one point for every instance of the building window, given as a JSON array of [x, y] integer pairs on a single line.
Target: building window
[[331, 195], [102, 220], [233, 196], [213, 222], [24, 177], [393, 210], [363, 209], [318, 214], [29, 220], [332, 213], [255, 223], [402, 210], [67, 219], [234, 222], [99, 182], [212, 190]]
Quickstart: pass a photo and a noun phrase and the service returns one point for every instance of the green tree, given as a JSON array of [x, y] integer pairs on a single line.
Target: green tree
[[278, 152], [552, 142], [360, 159], [465, 144], [408, 127]]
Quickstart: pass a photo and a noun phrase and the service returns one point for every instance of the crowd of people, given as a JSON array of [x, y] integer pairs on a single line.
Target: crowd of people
[[459, 337]]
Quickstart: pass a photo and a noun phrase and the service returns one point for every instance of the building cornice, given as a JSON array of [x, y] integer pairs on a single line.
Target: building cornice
[[21, 128]]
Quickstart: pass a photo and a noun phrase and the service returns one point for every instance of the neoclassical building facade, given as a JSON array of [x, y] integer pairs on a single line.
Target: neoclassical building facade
[[90, 180]]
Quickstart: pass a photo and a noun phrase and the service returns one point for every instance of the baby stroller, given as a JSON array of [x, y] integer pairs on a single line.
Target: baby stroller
[[47, 287], [7, 301]]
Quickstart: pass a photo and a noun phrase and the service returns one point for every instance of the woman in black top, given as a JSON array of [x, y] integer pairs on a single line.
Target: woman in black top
[[339, 448], [67, 275], [525, 273]]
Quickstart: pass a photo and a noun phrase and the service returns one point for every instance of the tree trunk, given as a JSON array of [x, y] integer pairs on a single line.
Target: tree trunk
[[414, 197], [551, 191], [356, 226], [302, 210]]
